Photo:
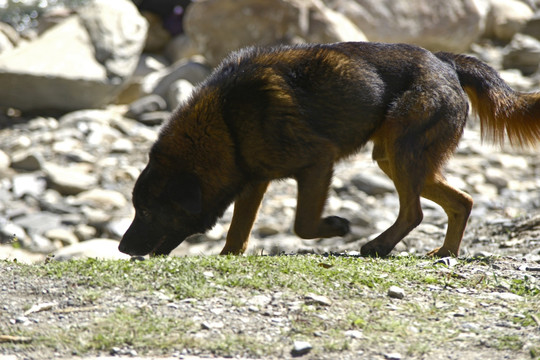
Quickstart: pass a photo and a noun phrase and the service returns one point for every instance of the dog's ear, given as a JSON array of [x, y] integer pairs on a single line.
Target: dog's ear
[[185, 190]]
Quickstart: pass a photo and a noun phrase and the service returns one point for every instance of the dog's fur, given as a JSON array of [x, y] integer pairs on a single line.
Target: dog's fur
[[283, 112]]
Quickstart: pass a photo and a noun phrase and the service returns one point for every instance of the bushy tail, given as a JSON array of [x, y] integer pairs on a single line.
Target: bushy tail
[[503, 112]]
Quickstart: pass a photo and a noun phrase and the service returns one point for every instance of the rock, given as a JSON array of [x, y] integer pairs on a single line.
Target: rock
[[354, 334], [532, 27], [216, 27], [9, 37], [506, 18], [146, 104], [417, 22], [118, 32], [193, 70], [38, 223], [122, 145], [63, 235], [393, 356], [117, 228], [86, 59], [180, 47], [27, 160], [522, 53], [101, 198], [69, 180], [4, 161], [28, 184], [154, 118], [301, 348], [158, 36], [179, 93], [446, 261], [96, 248], [207, 325], [318, 300], [373, 184], [85, 232], [396, 292], [10, 232], [8, 252]]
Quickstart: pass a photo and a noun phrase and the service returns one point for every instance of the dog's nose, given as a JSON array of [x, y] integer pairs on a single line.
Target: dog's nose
[[122, 247]]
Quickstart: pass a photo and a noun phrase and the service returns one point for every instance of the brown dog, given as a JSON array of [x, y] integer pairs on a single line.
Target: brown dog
[[275, 113]]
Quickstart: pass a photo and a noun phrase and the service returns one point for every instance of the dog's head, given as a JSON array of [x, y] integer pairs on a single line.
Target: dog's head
[[167, 210]]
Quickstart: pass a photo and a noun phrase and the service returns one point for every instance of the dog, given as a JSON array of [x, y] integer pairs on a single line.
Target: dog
[[293, 112]]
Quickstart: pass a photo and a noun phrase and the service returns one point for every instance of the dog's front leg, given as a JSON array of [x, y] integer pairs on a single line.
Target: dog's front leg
[[246, 206], [313, 186]]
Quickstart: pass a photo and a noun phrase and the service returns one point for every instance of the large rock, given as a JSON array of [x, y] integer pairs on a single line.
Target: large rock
[[81, 63], [451, 25], [506, 18], [217, 27]]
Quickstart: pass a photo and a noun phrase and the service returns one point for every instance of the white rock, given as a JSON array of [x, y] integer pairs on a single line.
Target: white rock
[[86, 59], [96, 248], [396, 292], [419, 22]]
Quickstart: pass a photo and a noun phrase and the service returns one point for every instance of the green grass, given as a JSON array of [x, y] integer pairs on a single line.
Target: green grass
[[436, 311]]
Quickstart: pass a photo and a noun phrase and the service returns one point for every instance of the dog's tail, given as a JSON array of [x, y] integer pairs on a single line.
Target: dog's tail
[[503, 112]]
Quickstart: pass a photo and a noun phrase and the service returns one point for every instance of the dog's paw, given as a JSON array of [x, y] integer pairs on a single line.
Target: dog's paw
[[374, 249], [440, 252], [338, 225]]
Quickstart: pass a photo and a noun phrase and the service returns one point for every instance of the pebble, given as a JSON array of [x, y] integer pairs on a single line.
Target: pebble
[[301, 348], [396, 292], [318, 300], [69, 181]]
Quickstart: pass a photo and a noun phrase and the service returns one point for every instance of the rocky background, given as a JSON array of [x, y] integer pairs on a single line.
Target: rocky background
[[85, 85]]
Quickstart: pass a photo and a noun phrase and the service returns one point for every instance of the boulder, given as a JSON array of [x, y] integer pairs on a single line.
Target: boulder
[[451, 25], [217, 27], [522, 53], [506, 18], [86, 59]]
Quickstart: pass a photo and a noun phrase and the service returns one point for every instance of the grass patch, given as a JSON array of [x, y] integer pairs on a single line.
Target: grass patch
[[156, 307]]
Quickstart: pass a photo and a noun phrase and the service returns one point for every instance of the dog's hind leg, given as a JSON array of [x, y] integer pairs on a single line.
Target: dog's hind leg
[[246, 207], [408, 182], [457, 206]]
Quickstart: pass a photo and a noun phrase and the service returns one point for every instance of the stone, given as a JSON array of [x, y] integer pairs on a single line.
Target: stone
[[154, 118], [84, 232], [122, 145], [354, 334], [318, 300], [27, 160], [28, 184], [180, 47], [116, 228], [5, 161], [373, 184], [179, 93], [396, 292], [522, 53], [86, 59], [69, 180], [193, 70], [38, 223], [97, 248], [217, 27], [101, 198], [418, 22], [146, 104], [301, 348], [63, 235], [506, 18]]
